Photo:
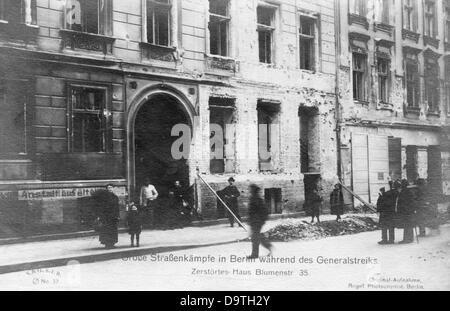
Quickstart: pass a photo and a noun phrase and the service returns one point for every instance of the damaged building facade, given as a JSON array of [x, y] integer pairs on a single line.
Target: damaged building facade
[[394, 94], [94, 92]]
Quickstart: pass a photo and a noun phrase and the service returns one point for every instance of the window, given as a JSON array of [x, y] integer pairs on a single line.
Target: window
[[430, 19], [410, 15], [222, 135], [412, 85], [447, 24], [307, 42], [219, 21], [23, 11], [13, 119], [358, 7], [158, 22], [268, 131], [383, 80], [432, 85], [411, 163], [382, 11], [89, 124], [359, 76], [91, 16], [266, 22]]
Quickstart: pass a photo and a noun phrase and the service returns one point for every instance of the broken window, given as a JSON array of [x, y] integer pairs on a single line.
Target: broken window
[[359, 76], [158, 22], [447, 24], [383, 79], [273, 200], [430, 19], [432, 85], [268, 134], [89, 124], [307, 42], [222, 135], [309, 148], [18, 11], [219, 21], [266, 28], [358, 7], [411, 163], [91, 16], [13, 117], [410, 15], [412, 84], [382, 11]]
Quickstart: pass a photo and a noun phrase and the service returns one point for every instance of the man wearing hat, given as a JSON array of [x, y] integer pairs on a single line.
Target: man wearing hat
[[230, 196]]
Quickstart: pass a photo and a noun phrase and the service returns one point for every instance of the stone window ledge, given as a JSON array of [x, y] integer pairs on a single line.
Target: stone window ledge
[[358, 19], [411, 35], [86, 41], [361, 102], [433, 114], [384, 28], [385, 106], [217, 63], [431, 41], [412, 110], [158, 52]]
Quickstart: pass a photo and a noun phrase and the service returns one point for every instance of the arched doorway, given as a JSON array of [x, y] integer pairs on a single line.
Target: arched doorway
[[153, 124]]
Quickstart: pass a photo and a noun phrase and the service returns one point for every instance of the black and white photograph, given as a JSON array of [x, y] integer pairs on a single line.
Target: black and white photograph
[[225, 145]]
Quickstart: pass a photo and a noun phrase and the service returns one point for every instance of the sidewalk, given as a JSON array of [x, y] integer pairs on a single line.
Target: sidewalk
[[45, 254]]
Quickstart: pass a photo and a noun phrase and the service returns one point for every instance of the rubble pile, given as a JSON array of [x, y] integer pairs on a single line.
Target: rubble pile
[[302, 230]]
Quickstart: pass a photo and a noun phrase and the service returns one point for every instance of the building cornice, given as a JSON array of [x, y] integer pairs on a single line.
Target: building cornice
[[396, 125]]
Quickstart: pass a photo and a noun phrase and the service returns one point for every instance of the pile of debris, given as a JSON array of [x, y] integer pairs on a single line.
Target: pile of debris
[[301, 229]]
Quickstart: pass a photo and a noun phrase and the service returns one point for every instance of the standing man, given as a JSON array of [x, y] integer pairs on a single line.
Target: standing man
[[230, 196], [386, 207], [337, 202], [147, 199], [406, 212], [109, 215], [257, 213], [316, 204]]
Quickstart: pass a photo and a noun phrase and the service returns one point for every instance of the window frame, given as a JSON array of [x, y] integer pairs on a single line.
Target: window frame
[[105, 16], [410, 20], [414, 82], [268, 30], [358, 7], [314, 38], [106, 111], [27, 18], [447, 22], [364, 76], [430, 19], [384, 97], [432, 85], [383, 11], [222, 19], [167, 8]]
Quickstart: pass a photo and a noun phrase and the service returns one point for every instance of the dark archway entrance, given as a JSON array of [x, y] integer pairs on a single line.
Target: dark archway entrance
[[153, 141]]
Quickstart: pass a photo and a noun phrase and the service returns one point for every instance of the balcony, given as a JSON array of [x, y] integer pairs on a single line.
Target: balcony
[[216, 64], [427, 40], [76, 40], [358, 19], [410, 35], [156, 52], [386, 28]]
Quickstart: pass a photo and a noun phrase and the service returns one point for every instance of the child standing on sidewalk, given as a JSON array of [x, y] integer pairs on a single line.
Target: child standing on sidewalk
[[134, 223]]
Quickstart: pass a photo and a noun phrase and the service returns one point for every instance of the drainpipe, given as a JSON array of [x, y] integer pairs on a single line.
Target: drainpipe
[[337, 31]]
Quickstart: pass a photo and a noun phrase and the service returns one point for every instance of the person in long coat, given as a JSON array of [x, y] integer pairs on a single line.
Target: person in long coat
[[230, 196], [426, 208], [337, 202], [406, 212], [109, 217], [315, 202], [134, 221], [386, 207], [258, 214]]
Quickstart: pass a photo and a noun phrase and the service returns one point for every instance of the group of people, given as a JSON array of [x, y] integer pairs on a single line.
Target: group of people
[[407, 207], [314, 201]]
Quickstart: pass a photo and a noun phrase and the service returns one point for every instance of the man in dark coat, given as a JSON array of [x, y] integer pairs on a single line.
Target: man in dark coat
[[109, 217], [426, 208], [315, 202], [134, 221], [406, 212], [258, 214], [386, 207], [337, 202], [230, 196], [181, 203]]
